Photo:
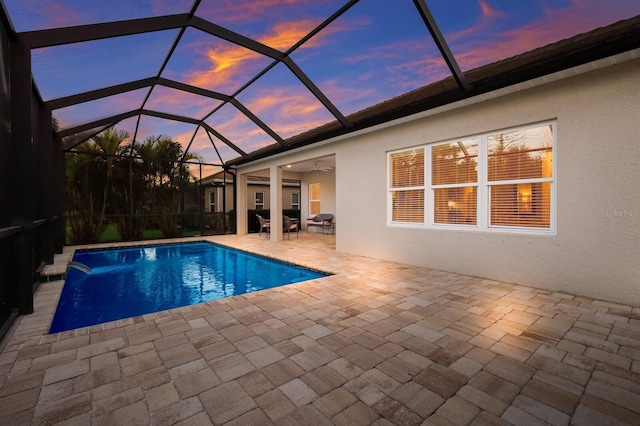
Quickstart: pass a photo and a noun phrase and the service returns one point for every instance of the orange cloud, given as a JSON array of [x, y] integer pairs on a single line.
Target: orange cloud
[[224, 61], [295, 111], [286, 34], [227, 61]]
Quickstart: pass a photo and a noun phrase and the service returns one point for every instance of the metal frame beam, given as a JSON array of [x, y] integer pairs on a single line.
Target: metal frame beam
[[257, 121], [233, 37], [431, 24], [81, 33], [225, 140], [316, 91], [119, 117], [133, 85], [99, 93]]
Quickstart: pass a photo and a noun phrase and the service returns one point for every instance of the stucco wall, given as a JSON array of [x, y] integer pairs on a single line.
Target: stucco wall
[[327, 181], [596, 251]]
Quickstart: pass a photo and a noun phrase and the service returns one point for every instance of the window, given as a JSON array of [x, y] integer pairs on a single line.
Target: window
[[295, 201], [259, 200], [454, 182], [492, 182], [407, 186], [520, 176], [314, 199], [212, 200]]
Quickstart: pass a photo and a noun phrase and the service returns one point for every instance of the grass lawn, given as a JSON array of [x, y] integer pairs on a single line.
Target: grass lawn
[[111, 234]]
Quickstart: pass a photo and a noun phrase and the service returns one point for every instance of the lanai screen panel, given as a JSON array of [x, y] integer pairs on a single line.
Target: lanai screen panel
[[179, 102], [375, 51], [46, 14], [226, 153], [278, 24], [280, 100], [203, 147], [211, 63], [237, 127], [87, 112], [154, 127], [489, 31], [80, 67]]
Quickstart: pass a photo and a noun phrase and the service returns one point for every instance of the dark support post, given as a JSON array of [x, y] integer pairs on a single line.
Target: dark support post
[[45, 169], [235, 202], [200, 198], [58, 187], [21, 195], [224, 200], [132, 234]]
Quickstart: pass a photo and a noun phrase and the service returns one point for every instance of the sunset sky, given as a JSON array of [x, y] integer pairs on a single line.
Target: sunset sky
[[377, 50]]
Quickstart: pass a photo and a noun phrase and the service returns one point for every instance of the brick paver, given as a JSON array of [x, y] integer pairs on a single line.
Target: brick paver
[[377, 343]]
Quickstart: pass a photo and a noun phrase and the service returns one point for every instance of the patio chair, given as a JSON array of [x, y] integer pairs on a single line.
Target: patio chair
[[265, 225], [288, 226], [321, 221]]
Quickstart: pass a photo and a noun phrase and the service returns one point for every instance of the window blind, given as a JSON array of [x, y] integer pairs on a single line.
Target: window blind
[[452, 166], [407, 186], [520, 170]]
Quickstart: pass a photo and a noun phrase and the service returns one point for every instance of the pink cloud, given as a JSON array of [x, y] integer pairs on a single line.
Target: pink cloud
[[485, 45], [486, 20], [225, 61], [180, 102], [299, 109], [55, 14]]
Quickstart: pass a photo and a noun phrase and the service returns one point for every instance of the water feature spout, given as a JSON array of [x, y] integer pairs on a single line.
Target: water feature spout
[[79, 266]]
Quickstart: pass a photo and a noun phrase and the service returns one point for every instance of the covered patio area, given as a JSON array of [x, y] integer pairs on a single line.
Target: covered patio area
[[378, 343]]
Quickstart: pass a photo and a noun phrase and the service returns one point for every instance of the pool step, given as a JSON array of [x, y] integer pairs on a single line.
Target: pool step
[[57, 270]]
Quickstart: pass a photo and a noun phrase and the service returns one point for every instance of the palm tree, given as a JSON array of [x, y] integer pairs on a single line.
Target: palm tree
[[165, 173], [109, 143], [83, 181]]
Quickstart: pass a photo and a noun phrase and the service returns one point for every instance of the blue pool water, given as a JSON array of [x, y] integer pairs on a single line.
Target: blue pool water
[[128, 282]]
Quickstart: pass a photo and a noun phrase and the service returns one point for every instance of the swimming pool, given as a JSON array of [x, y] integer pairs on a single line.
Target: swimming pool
[[132, 281]]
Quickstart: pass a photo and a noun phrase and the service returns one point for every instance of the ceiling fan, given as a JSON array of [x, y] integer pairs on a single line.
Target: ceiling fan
[[318, 168]]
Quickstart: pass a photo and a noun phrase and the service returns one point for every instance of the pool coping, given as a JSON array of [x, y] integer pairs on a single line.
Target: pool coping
[[164, 243], [45, 307]]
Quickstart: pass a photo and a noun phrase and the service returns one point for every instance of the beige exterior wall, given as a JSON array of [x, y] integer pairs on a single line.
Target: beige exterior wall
[[327, 181], [596, 249]]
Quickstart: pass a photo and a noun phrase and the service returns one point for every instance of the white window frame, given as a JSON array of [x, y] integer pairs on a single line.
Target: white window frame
[[391, 190], [213, 198], [319, 200], [483, 191], [258, 205], [295, 205]]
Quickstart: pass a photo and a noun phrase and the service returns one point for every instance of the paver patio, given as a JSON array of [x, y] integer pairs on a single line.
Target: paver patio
[[377, 343]]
